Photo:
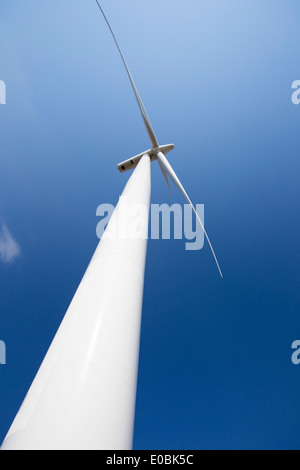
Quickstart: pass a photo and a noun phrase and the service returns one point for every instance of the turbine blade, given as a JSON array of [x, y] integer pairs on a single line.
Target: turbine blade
[[169, 170], [145, 116], [166, 178]]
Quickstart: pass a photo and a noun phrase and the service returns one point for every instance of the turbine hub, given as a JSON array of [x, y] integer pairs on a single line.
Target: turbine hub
[[133, 162]]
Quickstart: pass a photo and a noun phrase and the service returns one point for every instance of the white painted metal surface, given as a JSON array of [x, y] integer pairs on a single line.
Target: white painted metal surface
[[131, 163], [84, 394]]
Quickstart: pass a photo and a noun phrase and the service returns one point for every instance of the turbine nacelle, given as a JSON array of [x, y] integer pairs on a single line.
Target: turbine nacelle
[[133, 162]]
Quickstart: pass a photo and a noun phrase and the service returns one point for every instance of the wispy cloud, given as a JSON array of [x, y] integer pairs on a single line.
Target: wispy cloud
[[10, 251]]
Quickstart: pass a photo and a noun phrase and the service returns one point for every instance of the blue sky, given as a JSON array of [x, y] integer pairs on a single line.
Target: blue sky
[[215, 77]]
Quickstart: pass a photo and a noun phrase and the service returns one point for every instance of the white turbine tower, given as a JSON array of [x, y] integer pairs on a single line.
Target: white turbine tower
[[83, 396]]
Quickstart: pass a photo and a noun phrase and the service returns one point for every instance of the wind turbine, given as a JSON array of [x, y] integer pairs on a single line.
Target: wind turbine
[[83, 396], [157, 152]]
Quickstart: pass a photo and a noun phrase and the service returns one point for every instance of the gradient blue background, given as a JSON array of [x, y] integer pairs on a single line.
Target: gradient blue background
[[215, 76]]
